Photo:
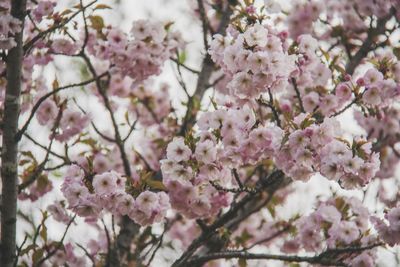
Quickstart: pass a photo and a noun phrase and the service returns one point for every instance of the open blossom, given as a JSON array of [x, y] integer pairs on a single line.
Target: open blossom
[[257, 35], [344, 231], [272, 6], [150, 207], [105, 183], [46, 112], [206, 152], [178, 151], [307, 44], [64, 46], [44, 8], [101, 163], [143, 29], [59, 213], [8, 26], [125, 204], [72, 123]]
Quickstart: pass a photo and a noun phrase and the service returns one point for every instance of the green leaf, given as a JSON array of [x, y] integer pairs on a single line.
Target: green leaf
[[102, 6], [36, 256], [97, 22], [242, 262], [28, 248], [182, 57], [154, 184], [65, 12], [43, 232]]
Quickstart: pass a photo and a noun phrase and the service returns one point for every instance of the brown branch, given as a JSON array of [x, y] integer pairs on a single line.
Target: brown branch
[[28, 46], [128, 227], [271, 183], [296, 89], [242, 189], [369, 43], [9, 153], [40, 168], [264, 256], [325, 258], [49, 94], [203, 78], [204, 22], [185, 66], [59, 244]]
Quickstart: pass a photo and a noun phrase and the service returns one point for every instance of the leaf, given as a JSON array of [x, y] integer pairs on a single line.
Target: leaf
[[154, 184], [182, 57], [36, 256], [43, 232], [271, 209], [42, 182], [242, 262], [66, 12], [97, 22], [55, 84], [326, 54], [28, 248], [102, 6]]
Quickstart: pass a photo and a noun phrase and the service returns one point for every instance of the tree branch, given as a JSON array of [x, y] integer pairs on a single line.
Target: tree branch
[[324, 258], [49, 94], [368, 43], [9, 153]]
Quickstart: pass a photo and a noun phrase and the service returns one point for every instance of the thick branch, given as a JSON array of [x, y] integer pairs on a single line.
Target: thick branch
[[204, 76], [326, 258], [253, 256], [9, 162], [229, 219], [368, 44]]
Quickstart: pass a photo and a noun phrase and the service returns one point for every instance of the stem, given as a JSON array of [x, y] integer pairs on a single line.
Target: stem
[[9, 163]]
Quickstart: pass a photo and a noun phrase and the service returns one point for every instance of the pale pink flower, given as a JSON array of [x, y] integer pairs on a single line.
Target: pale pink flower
[[307, 44], [372, 96], [101, 164], [344, 231], [206, 152], [47, 111], [343, 91], [125, 203], [64, 46], [105, 183], [178, 151], [372, 76], [256, 35]]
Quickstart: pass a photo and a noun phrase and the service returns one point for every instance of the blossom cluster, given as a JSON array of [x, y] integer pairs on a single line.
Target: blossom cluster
[[227, 139], [337, 222], [9, 26], [347, 14], [142, 54], [107, 192], [254, 61], [386, 126], [320, 148], [153, 104], [390, 233]]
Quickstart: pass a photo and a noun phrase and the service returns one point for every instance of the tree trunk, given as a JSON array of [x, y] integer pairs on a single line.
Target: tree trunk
[[9, 164]]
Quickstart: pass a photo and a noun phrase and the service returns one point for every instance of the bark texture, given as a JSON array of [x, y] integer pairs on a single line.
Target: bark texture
[[9, 163]]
